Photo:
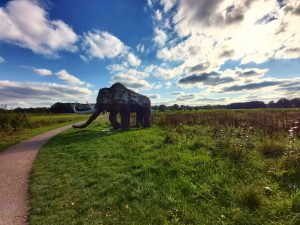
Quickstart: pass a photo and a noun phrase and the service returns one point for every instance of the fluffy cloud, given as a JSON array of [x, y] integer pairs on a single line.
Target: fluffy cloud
[[133, 60], [160, 37], [26, 24], [212, 78], [238, 81], [140, 48], [253, 86], [34, 94], [158, 15], [214, 31], [168, 4], [115, 67], [69, 78], [101, 44], [131, 81], [184, 97], [154, 96], [2, 60], [167, 73], [42, 72]]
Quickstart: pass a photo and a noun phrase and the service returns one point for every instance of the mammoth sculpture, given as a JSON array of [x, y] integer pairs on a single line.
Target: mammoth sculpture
[[119, 99]]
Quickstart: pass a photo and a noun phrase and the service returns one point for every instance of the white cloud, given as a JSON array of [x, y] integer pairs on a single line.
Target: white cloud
[[134, 73], [101, 44], [115, 67], [131, 81], [2, 60], [42, 72], [69, 78], [165, 73], [133, 60], [140, 48], [26, 24], [154, 96], [158, 15], [185, 97], [83, 58], [168, 84], [34, 94], [149, 3], [214, 31], [160, 37], [168, 4]]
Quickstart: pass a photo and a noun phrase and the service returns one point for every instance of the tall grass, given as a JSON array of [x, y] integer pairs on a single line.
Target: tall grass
[[12, 123], [268, 122]]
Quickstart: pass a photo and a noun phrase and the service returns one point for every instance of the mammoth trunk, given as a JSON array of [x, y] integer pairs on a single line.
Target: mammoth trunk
[[89, 121]]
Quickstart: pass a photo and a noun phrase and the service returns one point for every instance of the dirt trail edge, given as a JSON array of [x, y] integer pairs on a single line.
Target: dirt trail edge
[[15, 166]]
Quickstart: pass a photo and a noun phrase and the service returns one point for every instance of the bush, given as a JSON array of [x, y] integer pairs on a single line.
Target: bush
[[171, 138], [271, 149], [290, 161], [296, 202], [13, 122], [251, 197], [197, 144]]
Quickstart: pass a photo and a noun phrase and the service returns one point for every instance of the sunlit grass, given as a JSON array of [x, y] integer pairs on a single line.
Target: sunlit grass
[[171, 175], [34, 124]]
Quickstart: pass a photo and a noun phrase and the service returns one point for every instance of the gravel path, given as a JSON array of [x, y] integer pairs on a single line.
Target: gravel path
[[15, 166]]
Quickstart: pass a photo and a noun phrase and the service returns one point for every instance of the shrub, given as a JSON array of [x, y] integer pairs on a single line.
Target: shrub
[[251, 197], [197, 144], [271, 149], [171, 138], [291, 158], [233, 143], [296, 202], [13, 122]]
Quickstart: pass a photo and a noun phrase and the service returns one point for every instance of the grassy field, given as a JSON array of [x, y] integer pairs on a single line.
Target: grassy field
[[17, 127], [183, 170]]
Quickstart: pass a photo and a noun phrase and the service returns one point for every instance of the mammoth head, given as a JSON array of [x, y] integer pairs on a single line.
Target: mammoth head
[[102, 99], [104, 96]]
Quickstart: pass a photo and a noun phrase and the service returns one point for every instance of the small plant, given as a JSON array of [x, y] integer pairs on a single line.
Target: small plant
[[271, 149], [291, 158], [235, 144], [221, 142], [251, 197], [171, 138], [296, 202], [197, 144]]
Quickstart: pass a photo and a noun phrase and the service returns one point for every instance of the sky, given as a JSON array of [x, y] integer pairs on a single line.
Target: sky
[[191, 52]]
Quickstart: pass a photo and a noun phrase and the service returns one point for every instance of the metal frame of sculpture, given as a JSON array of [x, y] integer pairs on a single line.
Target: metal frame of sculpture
[[119, 99]]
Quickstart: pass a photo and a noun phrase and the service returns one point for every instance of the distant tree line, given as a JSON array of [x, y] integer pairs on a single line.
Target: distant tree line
[[60, 107], [281, 103]]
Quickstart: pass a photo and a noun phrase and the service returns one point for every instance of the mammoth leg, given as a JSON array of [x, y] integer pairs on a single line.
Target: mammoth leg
[[139, 118], [147, 118], [113, 120], [125, 118]]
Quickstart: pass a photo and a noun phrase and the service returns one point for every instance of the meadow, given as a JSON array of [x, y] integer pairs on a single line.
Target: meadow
[[192, 167], [15, 127]]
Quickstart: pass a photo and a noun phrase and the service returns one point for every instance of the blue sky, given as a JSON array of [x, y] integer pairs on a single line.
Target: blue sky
[[194, 52]]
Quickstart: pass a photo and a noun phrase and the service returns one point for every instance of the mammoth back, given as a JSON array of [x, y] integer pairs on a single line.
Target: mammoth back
[[118, 93]]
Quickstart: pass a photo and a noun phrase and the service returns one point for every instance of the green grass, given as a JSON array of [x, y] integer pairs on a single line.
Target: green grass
[[171, 175], [36, 124]]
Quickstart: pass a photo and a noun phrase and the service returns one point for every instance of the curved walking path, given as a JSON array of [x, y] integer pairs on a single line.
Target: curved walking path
[[15, 166]]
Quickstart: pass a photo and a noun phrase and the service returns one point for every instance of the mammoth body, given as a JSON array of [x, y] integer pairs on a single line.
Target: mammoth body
[[119, 99]]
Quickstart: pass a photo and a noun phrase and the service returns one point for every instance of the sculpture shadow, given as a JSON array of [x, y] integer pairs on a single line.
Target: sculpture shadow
[[88, 136]]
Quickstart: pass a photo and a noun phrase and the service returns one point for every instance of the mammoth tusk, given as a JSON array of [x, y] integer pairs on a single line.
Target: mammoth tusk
[[89, 104], [92, 110]]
